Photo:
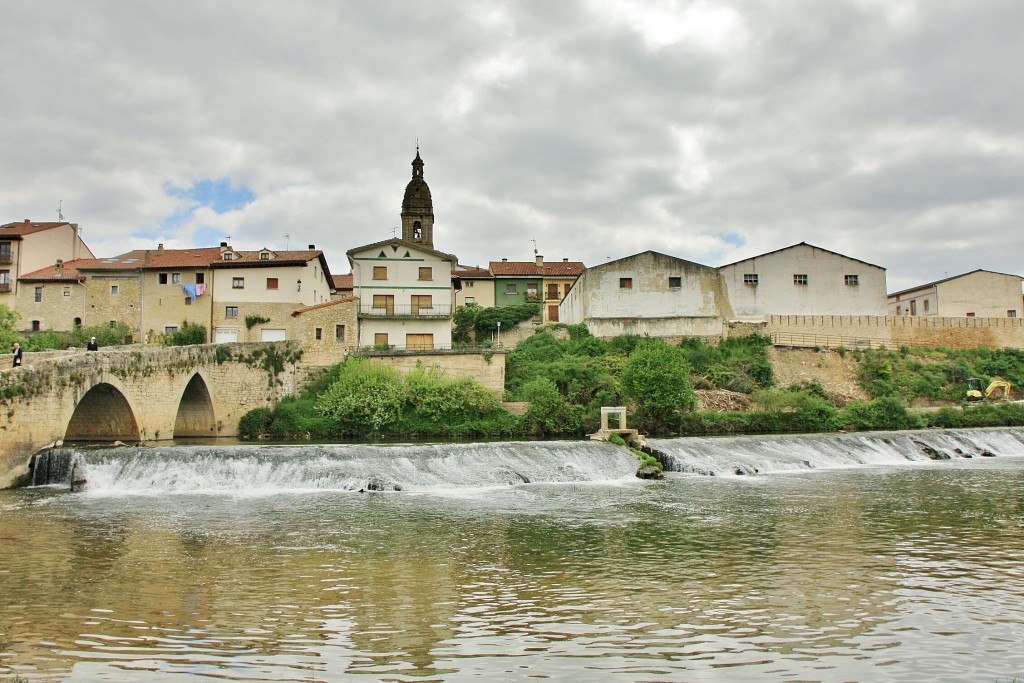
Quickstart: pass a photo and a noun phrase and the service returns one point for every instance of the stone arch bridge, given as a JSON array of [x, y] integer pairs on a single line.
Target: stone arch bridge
[[136, 393]]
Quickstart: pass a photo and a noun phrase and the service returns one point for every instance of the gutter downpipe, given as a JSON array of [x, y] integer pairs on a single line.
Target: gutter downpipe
[[142, 305]]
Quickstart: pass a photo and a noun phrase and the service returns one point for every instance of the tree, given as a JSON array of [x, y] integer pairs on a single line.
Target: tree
[[656, 377], [8, 335]]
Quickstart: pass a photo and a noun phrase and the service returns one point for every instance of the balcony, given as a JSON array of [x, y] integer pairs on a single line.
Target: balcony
[[435, 312], [533, 298], [6, 259]]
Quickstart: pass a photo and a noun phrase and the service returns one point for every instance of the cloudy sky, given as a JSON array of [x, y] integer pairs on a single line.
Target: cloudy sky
[[887, 130]]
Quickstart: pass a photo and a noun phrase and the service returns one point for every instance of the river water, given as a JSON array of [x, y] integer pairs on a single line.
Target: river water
[[862, 561]]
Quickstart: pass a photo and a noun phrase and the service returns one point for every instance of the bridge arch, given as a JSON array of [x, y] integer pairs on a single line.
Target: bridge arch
[[103, 414], [195, 417]]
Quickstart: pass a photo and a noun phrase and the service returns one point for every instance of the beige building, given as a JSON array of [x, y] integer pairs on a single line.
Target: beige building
[[52, 298], [404, 286], [328, 331], [29, 246], [475, 286], [648, 294], [977, 294], [804, 280]]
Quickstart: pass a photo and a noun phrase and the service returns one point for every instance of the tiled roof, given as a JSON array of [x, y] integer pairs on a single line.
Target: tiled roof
[[281, 258], [161, 259], [343, 281], [332, 302], [67, 273], [531, 269], [28, 227], [472, 272], [397, 243]]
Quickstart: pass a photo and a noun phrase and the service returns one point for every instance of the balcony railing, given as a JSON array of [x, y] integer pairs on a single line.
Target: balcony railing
[[534, 297], [405, 311], [6, 259]]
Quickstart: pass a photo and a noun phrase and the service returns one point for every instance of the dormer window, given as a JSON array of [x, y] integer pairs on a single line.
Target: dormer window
[[228, 256], [266, 255]]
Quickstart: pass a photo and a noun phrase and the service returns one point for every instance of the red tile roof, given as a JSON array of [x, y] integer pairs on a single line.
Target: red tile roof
[[531, 269], [332, 302], [28, 227], [472, 272], [204, 257], [343, 281], [68, 273]]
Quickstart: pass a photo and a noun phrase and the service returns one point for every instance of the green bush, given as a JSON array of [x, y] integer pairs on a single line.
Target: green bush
[[656, 379], [255, 423], [187, 335], [549, 414], [366, 398], [883, 413]]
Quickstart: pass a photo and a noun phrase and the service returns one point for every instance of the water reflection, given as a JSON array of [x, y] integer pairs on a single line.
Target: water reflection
[[911, 574]]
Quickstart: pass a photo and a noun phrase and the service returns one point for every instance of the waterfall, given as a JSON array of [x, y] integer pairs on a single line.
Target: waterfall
[[57, 467], [743, 455], [256, 470]]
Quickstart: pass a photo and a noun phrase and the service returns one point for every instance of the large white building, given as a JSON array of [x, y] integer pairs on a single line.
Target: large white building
[[404, 286], [804, 280], [977, 294], [648, 294]]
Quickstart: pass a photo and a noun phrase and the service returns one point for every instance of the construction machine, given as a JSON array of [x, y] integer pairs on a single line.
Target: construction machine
[[998, 388]]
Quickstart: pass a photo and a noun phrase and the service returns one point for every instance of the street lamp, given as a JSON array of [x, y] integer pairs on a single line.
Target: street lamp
[[498, 341]]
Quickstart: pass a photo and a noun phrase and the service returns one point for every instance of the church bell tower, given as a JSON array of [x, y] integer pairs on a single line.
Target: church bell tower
[[418, 208]]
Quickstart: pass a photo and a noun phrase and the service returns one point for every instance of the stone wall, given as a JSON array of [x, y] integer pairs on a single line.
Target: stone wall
[[487, 368], [894, 331]]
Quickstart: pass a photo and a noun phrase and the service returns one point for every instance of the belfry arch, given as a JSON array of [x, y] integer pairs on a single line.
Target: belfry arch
[[103, 414], [195, 416]]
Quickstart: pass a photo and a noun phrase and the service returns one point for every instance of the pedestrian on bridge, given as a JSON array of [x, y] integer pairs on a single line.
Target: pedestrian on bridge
[[92, 345], [17, 355]]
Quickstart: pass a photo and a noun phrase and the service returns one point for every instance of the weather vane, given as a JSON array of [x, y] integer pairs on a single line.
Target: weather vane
[[287, 240], [534, 246]]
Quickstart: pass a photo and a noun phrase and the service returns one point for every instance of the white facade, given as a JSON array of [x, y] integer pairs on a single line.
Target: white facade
[[405, 295], [648, 294], [977, 294], [804, 280]]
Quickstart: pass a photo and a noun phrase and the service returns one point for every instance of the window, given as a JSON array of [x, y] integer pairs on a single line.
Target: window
[[899, 310], [231, 311], [511, 288], [625, 283], [113, 325], [927, 305], [5, 280], [426, 273], [750, 279], [78, 322], [5, 252], [200, 278], [467, 283], [67, 291], [188, 301], [851, 280], [380, 338], [339, 333], [380, 272], [800, 278], [552, 291], [238, 283], [318, 333], [35, 325], [531, 289], [470, 300], [386, 302], [170, 329], [271, 283], [675, 283], [913, 307], [115, 289], [39, 293], [1012, 313], [553, 314], [421, 303], [264, 256], [175, 278], [161, 278], [228, 256], [971, 314]]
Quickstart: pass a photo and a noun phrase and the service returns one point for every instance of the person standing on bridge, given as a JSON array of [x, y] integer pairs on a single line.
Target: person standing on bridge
[[17, 355], [92, 345]]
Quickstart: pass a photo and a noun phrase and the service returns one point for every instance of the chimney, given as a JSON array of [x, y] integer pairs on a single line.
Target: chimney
[[223, 246], [565, 260], [160, 247], [540, 261], [312, 247], [504, 260], [27, 220], [59, 267]]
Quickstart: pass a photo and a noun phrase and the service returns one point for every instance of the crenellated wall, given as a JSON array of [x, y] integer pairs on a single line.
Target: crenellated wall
[[136, 393]]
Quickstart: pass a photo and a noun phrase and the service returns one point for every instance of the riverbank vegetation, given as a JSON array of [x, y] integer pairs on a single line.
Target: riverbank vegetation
[[106, 335], [566, 379]]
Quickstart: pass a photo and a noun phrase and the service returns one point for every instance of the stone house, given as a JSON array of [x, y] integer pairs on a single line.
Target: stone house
[[977, 294], [327, 331], [52, 298], [804, 280], [29, 246], [649, 294]]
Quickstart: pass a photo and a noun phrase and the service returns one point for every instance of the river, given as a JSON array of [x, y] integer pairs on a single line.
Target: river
[[843, 558]]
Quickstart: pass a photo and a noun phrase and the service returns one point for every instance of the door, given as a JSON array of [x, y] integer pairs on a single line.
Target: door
[[552, 314], [419, 342], [272, 335], [385, 302], [422, 303], [225, 335]]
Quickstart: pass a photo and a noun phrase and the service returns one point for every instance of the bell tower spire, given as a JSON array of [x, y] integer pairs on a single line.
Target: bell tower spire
[[418, 207]]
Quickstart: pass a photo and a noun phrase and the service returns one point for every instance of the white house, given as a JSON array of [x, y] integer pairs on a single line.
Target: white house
[[404, 286], [804, 280], [979, 293], [648, 294]]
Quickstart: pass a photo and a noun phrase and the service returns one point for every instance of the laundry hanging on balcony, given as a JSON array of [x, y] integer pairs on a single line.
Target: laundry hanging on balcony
[[194, 291]]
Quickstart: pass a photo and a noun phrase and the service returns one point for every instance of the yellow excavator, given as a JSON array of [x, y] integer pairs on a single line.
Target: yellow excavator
[[997, 389]]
